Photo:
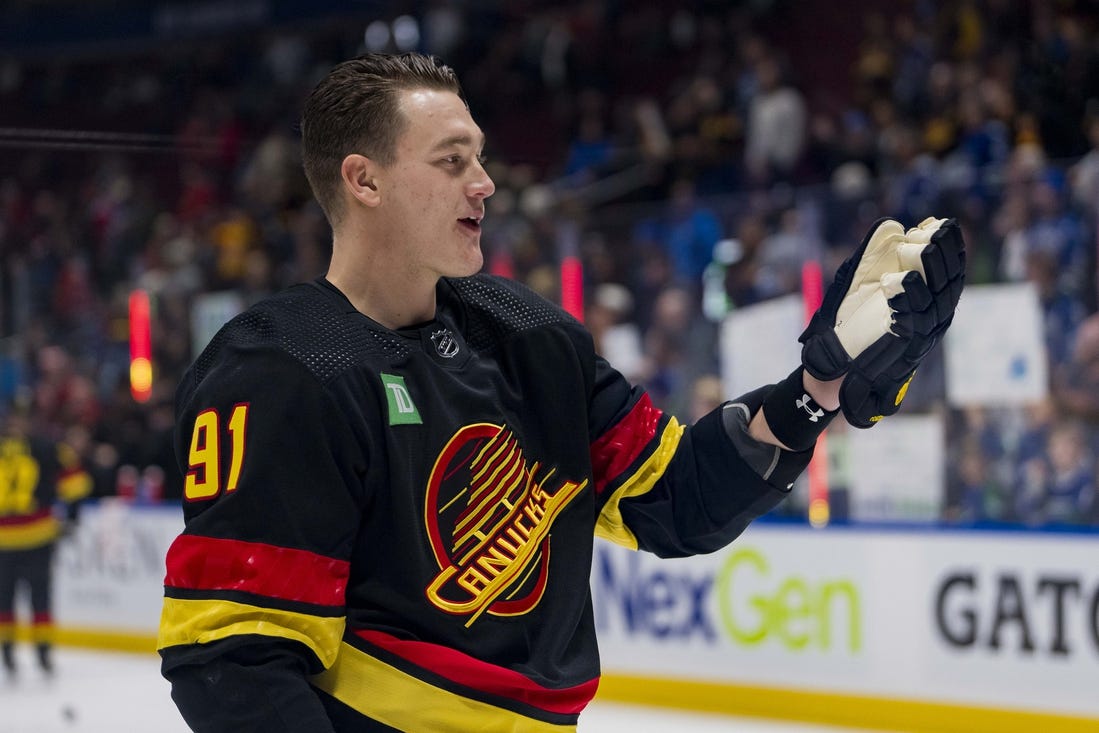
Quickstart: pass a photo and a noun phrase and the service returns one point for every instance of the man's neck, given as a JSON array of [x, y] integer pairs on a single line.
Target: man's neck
[[380, 288]]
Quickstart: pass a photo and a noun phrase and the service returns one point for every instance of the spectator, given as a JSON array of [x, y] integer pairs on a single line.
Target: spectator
[[979, 495], [777, 122], [1076, 382], [690, 230], [1071, 491], [617, 338], [1062, 313], [975, 106]]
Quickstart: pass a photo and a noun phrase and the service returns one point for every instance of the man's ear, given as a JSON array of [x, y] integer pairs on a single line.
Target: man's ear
[[359, 175]]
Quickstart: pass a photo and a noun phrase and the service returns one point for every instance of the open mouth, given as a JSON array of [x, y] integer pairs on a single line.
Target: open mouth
[[473, 225]]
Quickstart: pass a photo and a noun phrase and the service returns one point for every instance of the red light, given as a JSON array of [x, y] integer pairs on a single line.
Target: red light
[[812, 294], [141, 347], [572, 287]]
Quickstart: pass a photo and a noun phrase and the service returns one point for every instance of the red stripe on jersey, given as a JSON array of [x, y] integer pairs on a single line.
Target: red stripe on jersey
[[20, 519], [484, 677], [620, 446], [204, 563]]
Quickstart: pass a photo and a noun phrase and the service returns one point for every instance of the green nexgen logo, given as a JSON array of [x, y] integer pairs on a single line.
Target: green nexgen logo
[[745, 602]]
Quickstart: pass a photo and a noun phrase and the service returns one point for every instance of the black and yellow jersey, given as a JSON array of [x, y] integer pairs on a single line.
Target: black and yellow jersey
[[405, 519], [36, 475]]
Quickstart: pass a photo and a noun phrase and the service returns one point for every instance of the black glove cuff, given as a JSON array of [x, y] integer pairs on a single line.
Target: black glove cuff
[[794, 417]]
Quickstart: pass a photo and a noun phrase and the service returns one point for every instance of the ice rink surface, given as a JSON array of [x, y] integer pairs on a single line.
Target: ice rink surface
[[103, 692]]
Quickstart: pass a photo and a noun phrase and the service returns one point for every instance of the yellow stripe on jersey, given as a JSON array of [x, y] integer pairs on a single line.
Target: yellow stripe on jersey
[[185, 621], [30, 535], [383, 693], [611, 525]]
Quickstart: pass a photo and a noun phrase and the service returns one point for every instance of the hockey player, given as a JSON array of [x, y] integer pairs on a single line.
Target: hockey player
[[394, 473], [41, 485]]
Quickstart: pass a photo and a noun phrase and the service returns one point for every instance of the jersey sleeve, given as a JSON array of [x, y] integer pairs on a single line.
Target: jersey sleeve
[[674, 489], [255, 583]]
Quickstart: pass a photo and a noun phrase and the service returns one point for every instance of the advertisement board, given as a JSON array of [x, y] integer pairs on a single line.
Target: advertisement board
[[912, 629], [110, 571], [993, 621]]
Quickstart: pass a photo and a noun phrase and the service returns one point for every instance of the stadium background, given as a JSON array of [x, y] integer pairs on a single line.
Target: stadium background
[[694, 157]]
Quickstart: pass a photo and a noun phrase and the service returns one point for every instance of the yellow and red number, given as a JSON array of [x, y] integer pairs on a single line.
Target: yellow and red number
[[203, 480]]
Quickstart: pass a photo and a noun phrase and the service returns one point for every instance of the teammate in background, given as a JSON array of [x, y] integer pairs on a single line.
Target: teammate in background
[[394, 473], [41, 485]]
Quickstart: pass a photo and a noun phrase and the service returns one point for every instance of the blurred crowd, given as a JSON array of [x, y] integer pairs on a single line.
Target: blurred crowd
[[694, 156]]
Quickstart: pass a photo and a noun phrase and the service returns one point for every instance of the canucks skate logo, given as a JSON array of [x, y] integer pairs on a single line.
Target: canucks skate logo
[[489, 515], [445, 343]]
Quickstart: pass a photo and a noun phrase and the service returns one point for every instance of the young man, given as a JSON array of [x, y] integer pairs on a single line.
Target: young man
[[394, 473]]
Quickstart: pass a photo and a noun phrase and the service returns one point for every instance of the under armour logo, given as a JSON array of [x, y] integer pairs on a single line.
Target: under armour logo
[[803, 403]]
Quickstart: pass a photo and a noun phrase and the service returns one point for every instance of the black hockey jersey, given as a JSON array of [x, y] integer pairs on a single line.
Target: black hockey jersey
[[405, 519], [36, 475]]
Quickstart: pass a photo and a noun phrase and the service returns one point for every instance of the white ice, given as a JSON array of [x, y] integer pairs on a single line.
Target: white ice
[[109, 692]]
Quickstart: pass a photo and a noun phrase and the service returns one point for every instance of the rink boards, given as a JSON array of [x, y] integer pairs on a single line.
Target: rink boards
[[925, 630]]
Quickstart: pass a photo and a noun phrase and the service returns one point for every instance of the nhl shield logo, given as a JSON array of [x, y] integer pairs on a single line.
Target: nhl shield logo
[[445, 343]]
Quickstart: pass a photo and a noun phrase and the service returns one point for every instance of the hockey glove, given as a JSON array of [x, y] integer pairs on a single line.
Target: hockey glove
[[888, 305]]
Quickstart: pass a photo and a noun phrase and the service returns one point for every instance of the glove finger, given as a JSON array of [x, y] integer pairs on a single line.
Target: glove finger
[[941, 266], [870, 321], [946, 303], [879, 233], [950, 248], [949, 237], [878, 247], [957, 283], [937, 307], [912, 295], [910, 257], [925, 230], [876, 256], [914, 320]]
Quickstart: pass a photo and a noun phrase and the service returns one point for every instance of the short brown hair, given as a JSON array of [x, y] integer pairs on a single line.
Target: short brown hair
[[354, 109]]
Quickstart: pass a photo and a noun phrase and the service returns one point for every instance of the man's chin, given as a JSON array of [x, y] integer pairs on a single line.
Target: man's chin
[[471, 266]]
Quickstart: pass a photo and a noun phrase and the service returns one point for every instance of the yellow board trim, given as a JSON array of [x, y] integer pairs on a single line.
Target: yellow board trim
[[610, 525], [858, 711], [384, 693], [772, 703], [87, 638], [184, 621]]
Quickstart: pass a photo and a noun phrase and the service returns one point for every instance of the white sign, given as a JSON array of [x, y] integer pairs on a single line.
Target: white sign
[[209, 312], [995, 351], [759, 344], [110, 572], [896, 471]]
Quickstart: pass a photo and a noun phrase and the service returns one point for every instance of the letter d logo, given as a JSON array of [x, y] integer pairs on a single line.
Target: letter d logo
[[402, 410]]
